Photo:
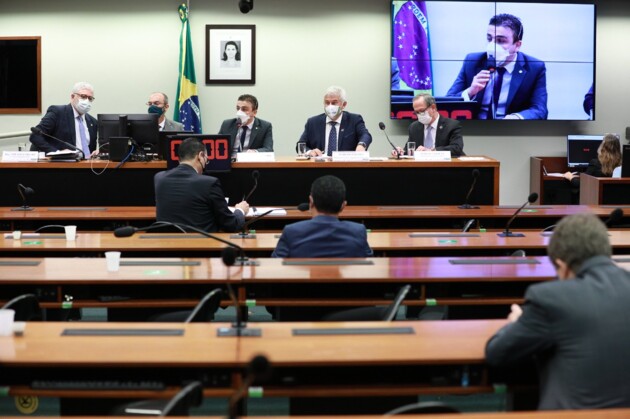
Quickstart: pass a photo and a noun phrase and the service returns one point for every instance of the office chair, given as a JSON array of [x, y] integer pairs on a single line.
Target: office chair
[[422, 407], [189, 396], [203, 311], [365, 314], [26, 308]]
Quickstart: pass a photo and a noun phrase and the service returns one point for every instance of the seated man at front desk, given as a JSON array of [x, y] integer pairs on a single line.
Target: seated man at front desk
[[575, 329], [69, 123], [158, 104], [184, 195], [335, 129], [325, 235], [433, 131], [249, 134]]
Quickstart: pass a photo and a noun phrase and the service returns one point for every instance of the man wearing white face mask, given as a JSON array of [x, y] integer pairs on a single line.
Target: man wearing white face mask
[[507, 83], [432, 131], [70, 123], [335, 129], [249, 134]]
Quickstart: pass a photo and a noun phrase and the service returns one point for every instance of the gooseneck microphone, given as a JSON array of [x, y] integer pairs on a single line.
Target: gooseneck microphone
[[244, 234], [258, 369], [239, 327], [614, 218], [24, 192], [255, 176], [304, 206], [466, 205], [38, 131], [507, 233], [382, 127]]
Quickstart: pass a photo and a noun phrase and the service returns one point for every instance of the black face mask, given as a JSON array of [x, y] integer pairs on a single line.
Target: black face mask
[[156, 109]]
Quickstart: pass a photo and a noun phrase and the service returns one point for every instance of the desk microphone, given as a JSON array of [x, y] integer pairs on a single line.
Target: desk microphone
[[304, 206], [507, 233], [255, 176], [382, 127], [239, 327], [614, 218], [24, 192], [38, 131], [475, 174], [243, 234], [258, 368]]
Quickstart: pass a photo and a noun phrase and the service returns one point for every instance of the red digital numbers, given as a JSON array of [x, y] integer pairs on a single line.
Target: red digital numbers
[[217, 149]]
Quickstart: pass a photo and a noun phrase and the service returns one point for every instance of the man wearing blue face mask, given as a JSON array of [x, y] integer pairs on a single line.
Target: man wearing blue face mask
[[70, 123], [249, 134], [158, 104], [335, 129], [507, 83]]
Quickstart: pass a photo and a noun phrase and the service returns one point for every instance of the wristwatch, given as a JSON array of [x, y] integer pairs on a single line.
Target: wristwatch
[[363, 145]]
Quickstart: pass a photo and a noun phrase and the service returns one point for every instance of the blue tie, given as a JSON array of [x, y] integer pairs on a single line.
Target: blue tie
[[428, 139], [496, 90], [241, 145], [85, 146], [332, 138]]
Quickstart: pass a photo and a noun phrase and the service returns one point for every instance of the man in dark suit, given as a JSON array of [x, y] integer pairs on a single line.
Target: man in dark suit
[[324, 235], [577, 328], [507, 83], [249, 134], [70, 123], [335, 130], [183, 195], [158, 104], [433, 131]]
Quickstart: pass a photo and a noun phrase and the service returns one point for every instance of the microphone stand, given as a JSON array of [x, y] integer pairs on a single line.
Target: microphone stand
[[24, 191], [466, 205], [244, 234]]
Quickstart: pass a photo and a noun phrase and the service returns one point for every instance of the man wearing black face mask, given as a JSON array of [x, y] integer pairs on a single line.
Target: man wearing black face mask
[[158, 103], [70, 123]]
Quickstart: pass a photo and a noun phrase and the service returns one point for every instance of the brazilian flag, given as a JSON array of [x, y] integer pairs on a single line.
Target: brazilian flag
[[187, 106]]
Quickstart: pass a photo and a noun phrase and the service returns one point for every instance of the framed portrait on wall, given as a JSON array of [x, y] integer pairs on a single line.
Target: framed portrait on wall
[[230, 54]]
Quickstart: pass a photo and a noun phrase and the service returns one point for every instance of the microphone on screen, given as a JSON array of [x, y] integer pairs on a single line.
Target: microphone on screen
[[38, 131], [507, 233], [491, 64], [382, 127], [466, 205]]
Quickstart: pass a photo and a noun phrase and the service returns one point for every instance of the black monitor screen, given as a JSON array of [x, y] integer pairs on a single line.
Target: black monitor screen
[[581, 149], [143, 128], [217, 147], [625, 161]]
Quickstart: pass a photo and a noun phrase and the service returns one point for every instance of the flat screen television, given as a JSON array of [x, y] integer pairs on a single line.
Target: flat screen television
[[439, 46], [217, 147], [581, 149], [143, 128]]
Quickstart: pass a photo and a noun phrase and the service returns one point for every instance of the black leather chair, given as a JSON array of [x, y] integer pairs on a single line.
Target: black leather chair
[[203, 311], [387, 313], [26, 308], [179, 405], [422, 407]]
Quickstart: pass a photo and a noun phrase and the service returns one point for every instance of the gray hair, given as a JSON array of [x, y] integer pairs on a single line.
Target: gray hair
[[428, 99], [338, 91], [82, 85], [163, 95], [577, 238]]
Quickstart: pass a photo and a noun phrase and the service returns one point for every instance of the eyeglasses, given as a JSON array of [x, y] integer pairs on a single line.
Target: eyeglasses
[[154, 103], [90, 98], [423, 111]]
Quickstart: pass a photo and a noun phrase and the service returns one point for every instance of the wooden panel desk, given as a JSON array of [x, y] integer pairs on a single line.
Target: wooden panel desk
[[384, 243], [604, 190], [423, 358], [285, 182], [178, 282], [373, 217], [550, 189]]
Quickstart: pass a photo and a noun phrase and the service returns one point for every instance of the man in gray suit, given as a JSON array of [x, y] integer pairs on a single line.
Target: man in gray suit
[[249, 134], [578, 328], [158, 103]]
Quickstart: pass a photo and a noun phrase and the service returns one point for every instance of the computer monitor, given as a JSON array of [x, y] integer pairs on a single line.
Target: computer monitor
[[581, 149], [217, 147], [625, 161], [142, 128]]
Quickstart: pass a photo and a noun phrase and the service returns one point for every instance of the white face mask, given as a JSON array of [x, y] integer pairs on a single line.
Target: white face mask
[[497, 52], [84, 106], [424, 118], [332, 110], [242, 116]]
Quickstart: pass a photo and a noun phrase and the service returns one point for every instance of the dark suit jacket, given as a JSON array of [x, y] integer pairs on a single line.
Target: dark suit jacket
[[351, 133], [580, 331], [184, 196], [594, 169], [260, 139], [528, 89], [323, 236], [448, 136], [59, 122]]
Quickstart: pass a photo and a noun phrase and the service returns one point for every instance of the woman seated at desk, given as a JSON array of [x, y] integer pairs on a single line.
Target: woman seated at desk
[[608, 158]]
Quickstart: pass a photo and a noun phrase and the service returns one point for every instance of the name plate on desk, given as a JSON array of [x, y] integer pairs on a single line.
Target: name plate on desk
[[432, 156], [255, 157], [351, 156], [19, 156]]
